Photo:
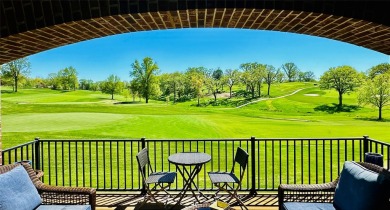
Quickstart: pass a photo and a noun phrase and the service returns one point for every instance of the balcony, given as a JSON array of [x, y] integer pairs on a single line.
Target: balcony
[[110, 166]]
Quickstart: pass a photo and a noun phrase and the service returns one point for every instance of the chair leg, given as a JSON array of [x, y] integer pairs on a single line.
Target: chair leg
[[233, 194]]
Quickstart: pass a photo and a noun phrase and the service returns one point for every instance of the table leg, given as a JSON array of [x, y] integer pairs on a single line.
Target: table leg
[[188, 182]]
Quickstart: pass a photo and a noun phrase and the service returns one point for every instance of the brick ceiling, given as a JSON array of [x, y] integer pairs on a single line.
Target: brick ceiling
[[32, 26]]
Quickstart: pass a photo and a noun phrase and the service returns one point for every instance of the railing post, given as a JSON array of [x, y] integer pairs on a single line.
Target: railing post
[[143, 145], [253, 165], [37, 154], [365, 145]]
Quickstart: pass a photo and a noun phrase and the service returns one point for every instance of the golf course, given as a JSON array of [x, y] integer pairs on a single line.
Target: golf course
[[294, 110]]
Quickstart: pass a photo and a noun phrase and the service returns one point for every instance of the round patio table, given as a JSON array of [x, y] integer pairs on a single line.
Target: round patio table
[[187, 159]]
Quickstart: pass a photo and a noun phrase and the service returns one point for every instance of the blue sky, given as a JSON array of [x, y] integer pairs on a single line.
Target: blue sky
[[178, 49]]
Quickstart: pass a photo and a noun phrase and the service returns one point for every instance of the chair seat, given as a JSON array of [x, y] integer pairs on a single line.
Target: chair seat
[[222, 177], [161, 177], [308, 206]]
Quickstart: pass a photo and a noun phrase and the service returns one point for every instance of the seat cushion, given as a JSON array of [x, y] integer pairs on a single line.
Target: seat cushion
[[222, 177], [17, 190], [360, 189], [161, 177], [64, 207], [308, 206]]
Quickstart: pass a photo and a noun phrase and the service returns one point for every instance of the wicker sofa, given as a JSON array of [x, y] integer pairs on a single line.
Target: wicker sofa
[[359, 186], [16, 184]]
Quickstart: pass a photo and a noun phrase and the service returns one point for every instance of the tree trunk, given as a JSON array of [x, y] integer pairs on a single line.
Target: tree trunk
[[380, 113], [253, 92], [147, 99], [340, 99], [16, 84], [230, 91], [174, 93], [112, 96], [215, 96], [269, 88], [198, 101], [258, 89]]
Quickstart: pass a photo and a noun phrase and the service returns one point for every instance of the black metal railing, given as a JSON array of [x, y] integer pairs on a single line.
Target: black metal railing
[[110, 165]]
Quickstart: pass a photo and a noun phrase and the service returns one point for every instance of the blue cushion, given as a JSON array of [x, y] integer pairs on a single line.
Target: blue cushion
[[307, 206], [361, 189], [64, 207], [17, 191]]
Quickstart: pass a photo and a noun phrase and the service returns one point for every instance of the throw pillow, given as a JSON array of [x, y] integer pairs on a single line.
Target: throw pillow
[[17, 191], [360, 189]]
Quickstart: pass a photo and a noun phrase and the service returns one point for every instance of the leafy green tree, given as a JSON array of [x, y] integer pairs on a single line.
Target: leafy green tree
[[291, 70], [270, 76], [135, 89], [213, 82], [68, 77], [15, 70], [145, 73], [301, 76], [85, 84], [342, 79], [53, 81], [196, 80], [112, 85], [376, 92], [252, 76], [379, 69], [232, 76], [309, 76], [171, 83]]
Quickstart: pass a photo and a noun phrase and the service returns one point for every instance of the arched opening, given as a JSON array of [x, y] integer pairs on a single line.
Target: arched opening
[[62, 23]]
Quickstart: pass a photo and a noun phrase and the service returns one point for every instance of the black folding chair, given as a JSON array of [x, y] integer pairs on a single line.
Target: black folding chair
[[225, 181], [159, 179]]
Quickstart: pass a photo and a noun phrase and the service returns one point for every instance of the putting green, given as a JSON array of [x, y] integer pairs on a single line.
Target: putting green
[[57, 121]]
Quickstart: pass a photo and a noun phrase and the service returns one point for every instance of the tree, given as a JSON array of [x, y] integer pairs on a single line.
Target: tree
[[85, 84], [145, 74], [112, 85], [196, 79], [291, 70], [376, 92], [68, 77], [379, 69], [342, 79], [53, 81], [271, 76], [171, 83], [308, 76], [15, 70], [252, 76], [135, 89], [232, 77], [213, 82]]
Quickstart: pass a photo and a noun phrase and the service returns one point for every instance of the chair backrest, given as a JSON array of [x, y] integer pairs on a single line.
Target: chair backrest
[[241, 158], [143, 160]]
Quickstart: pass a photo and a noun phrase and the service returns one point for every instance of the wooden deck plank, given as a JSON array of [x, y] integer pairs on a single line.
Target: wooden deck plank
[[129, 201]]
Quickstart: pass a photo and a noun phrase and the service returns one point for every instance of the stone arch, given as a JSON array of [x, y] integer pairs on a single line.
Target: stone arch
[[32, 26]]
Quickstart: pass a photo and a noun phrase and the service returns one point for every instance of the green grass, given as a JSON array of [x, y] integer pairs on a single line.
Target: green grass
[[52, 114]]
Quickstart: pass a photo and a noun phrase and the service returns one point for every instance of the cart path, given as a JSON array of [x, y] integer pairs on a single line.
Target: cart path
[[264, 99]]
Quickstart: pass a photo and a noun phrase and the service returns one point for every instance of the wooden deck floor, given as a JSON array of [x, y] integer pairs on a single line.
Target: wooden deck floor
[[130, 201]]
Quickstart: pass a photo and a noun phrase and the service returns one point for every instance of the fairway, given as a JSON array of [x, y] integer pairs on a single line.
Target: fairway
[[80, 114]]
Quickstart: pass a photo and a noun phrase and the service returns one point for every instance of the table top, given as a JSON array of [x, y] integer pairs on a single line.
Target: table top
[[189, 158]]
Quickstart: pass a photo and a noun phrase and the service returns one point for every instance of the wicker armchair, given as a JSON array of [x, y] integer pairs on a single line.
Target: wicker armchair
[[56, 195], [321, 193]]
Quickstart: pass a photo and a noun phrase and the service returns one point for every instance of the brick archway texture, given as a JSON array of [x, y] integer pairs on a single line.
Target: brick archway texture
[[32, 26]]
